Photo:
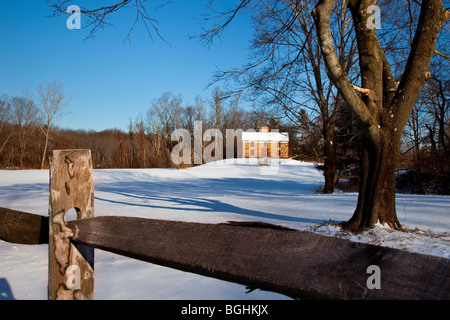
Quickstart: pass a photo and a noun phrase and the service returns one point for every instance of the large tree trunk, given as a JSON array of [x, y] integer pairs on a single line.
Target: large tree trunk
[[376, 201]]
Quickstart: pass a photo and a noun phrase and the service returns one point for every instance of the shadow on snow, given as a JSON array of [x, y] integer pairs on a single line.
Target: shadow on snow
[[195, 196]]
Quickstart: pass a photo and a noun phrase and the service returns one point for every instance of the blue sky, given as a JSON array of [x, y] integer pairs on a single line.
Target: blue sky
[[111, 81]]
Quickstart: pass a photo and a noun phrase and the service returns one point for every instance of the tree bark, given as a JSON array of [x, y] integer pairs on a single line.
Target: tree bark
[[376, 201]]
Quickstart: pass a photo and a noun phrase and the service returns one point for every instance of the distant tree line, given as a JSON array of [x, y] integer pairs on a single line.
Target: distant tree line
[[28, 134], [26, 125]]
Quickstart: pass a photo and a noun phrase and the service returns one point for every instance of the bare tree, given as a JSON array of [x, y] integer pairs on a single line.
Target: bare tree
[[200, 109], [437, 100], [162, 119], [5, 119], [24, 113], [415, 132], [52, 101], [235, 117], [287, 72], [217, 108], [384, 106], [142, 142], [97, 18]]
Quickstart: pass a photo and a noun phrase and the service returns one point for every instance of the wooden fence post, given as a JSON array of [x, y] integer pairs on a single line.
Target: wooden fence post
[[71, 267]]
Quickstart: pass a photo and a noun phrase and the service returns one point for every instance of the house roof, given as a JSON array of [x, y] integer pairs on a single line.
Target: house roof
[[265, 136]]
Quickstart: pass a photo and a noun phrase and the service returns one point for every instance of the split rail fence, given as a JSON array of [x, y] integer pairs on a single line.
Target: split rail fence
[[298, 264]]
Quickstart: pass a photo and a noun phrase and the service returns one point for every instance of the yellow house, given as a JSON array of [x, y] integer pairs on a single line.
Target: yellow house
[[265, 144]]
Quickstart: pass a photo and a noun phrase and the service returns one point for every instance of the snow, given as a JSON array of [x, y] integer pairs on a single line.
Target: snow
[[283, 194], [265, 136]]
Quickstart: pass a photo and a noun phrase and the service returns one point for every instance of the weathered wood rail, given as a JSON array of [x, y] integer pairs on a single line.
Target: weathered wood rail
[[299, 264], [295, 263], [23, 227]]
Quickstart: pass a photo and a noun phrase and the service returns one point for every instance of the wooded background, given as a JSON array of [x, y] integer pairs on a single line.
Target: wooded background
[[425, 159]]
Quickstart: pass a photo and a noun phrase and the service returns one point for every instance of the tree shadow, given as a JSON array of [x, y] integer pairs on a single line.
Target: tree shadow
[[23, 192], [5, 290], [211, 205], [194, 197]]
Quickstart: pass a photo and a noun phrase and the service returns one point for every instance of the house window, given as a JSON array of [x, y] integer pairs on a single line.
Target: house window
[[252, 144]]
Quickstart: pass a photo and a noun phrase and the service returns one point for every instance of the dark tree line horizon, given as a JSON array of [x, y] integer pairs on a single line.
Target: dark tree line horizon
[[27, 136]]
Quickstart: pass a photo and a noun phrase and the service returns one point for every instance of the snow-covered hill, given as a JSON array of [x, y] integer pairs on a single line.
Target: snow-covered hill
[[283, 194]]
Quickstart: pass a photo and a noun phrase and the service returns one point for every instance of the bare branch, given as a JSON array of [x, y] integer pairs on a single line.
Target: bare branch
[[441, 54], [227, 17], [98, 17], [431, 19], [364, 91], [321, 14]]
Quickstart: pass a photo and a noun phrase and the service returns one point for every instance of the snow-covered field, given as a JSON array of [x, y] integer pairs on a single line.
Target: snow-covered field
[[216, 192]]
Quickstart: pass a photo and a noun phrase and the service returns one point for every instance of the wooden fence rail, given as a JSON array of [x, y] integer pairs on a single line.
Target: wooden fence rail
[[299, 264], [295, 263], [23, 227]]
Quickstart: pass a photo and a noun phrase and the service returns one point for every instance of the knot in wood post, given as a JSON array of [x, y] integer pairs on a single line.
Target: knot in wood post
[[71, 267]]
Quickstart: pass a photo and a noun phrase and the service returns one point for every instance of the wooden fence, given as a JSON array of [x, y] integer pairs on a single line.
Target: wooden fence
[[298, 264]]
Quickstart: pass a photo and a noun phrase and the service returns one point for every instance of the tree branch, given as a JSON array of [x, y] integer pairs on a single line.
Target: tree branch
[[98, 17], [364, 91], [208, 36], [441, 54], [321, 14], [431, 19]]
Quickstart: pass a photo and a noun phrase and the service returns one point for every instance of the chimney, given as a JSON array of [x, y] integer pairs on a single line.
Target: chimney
[[264, 129]]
